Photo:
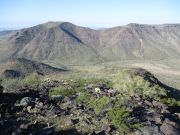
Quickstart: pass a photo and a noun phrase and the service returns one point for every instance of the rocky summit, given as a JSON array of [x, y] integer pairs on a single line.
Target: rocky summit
[[90, 107]]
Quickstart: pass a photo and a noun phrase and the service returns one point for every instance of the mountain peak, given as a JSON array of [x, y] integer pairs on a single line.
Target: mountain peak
[[52, 24]]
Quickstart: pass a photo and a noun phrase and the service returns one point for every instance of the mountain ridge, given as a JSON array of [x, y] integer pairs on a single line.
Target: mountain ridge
[[69, 43]]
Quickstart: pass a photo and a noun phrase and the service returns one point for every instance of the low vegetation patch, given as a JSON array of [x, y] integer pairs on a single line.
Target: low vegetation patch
[[31, 81], [136, 85], [170, 101], [61, 90], [98, 104], [118, 116], [11, 84], [83, 98]]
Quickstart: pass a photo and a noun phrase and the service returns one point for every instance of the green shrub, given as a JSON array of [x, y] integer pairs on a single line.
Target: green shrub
[[12, 84], [136, 126], [32, 80], [132, 85], [120, 101], [118, 117], [98, 104], [61, 90], [83, 98], [79, 85], [170, 101]]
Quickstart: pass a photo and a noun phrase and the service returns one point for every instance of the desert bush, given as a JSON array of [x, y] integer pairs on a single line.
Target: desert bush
[[132, 85], [121, 100], [170, 101], [32, 80], [90, 101], [61, 90], [12, 84], [98, 104], [118, 117], [83, 98]]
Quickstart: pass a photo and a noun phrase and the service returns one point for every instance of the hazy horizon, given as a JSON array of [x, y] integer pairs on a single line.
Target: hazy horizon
[[18, 14]]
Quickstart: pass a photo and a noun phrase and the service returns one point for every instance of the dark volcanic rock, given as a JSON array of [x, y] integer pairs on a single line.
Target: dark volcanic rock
[[26, 101]]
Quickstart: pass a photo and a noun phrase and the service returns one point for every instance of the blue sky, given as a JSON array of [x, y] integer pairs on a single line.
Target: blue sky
[[91, 13]]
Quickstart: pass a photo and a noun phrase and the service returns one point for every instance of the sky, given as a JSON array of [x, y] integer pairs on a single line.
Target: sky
[[90, 13]]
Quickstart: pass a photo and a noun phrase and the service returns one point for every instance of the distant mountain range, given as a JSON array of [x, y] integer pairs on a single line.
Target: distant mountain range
[[66, 43]]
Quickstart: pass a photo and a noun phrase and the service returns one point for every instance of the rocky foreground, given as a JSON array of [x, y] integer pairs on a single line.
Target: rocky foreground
[[95, 109]]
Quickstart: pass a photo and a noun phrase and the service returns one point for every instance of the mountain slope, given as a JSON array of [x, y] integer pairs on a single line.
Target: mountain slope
[[135, 41], [23, 67], [50, 41], [71, 44]]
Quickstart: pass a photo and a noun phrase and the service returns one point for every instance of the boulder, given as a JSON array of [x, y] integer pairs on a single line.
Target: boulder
[[178, 115], [150, 130], [154, 117], [39, 104], [32, 110], [57, 98], [148, 103], [26, 101], [161, 107], [111, 93], [67, 100], [170, 128], [106, 128], [54, 111], [24, 126]]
